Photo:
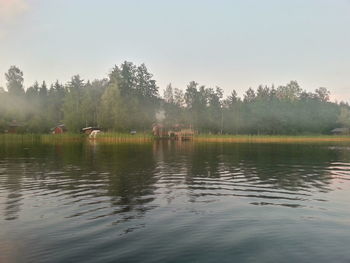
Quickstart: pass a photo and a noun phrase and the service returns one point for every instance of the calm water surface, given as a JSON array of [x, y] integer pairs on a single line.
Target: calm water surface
[[174, 202]]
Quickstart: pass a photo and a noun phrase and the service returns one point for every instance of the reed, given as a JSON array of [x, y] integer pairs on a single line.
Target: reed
[[73, 137], [111, 138], [270, 138], [114, 137], [19, 138], [39, 138]]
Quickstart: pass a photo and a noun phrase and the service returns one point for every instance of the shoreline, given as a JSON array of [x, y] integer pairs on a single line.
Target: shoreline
[[147, 138], [272, 138]]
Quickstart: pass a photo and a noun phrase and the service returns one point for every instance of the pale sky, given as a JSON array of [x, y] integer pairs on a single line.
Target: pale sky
[[231, 44]]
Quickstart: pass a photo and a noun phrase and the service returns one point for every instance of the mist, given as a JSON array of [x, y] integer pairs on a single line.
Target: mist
[[129, 99]]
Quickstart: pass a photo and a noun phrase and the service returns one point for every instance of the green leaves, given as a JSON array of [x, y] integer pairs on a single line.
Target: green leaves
[[14, 78], [129, 100]]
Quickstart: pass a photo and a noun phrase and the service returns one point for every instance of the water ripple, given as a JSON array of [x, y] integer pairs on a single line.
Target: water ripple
[[168, 195]]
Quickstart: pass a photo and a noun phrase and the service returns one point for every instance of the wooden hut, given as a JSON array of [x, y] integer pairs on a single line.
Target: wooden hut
[[182, 134], [14, 127], [59, 129], [177, 132], [340, 131]]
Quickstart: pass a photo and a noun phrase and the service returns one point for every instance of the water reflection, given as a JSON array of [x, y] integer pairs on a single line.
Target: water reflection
[[125, 181], [13, 196], [285, 173]]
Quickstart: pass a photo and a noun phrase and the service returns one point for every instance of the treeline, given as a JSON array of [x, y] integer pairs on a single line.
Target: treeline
[[129, 99]]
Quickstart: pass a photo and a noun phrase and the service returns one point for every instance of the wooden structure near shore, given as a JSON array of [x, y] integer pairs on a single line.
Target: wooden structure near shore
[[59, 129], [175, 133], [14, 127], [182, 134], [341, 131]]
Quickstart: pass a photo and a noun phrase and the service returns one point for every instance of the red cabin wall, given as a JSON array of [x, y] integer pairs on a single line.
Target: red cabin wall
[[58, 130]]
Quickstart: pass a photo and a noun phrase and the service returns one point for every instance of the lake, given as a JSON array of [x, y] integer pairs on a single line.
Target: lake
[[174, 202]]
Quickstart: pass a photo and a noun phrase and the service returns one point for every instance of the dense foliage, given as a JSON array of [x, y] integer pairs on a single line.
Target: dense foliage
[[129, 100]]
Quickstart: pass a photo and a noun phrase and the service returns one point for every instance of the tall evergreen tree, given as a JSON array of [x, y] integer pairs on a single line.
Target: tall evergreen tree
[[14, 78], [72, 109]]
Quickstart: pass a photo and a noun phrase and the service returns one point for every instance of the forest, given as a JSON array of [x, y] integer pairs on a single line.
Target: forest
[[129, 99]]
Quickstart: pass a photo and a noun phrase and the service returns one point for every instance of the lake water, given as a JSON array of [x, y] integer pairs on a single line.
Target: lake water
[[175, 202]]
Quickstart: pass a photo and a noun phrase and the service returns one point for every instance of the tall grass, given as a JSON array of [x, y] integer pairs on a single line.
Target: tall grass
[[271, 138], [73, 137], [39, 138], [114, 137], [111, 138]]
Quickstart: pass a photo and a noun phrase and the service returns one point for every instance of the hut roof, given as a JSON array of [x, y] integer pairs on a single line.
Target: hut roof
[[62, 126], [341, 130], [14, 123]]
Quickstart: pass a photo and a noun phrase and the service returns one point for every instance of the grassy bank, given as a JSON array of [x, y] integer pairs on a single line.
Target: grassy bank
[[40, 138], [142, 138], [270, 138], [73, 137], [109, 137]]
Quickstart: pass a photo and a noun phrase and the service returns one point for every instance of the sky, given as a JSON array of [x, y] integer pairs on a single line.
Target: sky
[[233, 44]]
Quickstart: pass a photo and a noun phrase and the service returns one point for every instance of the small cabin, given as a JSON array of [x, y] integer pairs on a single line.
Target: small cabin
[[340, 131], [59, 129], [176, 132], [183, 134], [14, 127], [89, 130]]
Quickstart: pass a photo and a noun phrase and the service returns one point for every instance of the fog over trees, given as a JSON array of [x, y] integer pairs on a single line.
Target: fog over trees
[[128, 99]]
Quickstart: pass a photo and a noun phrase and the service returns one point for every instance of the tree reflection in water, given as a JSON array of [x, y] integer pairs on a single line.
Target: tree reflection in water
[[125, 181]]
